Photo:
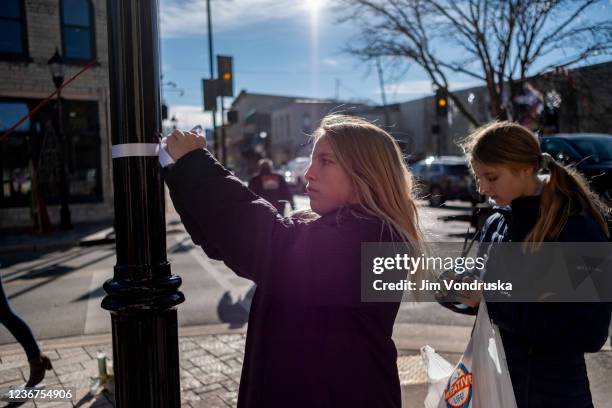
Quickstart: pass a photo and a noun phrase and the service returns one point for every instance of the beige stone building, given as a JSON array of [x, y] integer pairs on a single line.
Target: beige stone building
[[278, 127], [32, 30], [292, 126], [249, 139]]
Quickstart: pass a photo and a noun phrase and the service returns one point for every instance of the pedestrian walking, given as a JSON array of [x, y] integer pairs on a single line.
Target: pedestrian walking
[[21, 331], [311, 342], [544, 343], [272, 187]]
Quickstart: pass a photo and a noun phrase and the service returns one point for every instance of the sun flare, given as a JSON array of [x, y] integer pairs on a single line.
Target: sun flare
[[315, 5]]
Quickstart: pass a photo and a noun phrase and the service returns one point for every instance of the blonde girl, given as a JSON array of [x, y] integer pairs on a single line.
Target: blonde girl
[[311, 342]]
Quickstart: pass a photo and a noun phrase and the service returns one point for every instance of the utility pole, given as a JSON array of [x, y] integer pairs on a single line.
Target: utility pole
[[225, 87], [337, 93], [143, 294], [223, 144], [212, 76], [382, 92]]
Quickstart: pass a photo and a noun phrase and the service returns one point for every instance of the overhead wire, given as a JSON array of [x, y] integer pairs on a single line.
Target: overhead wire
[[46, 100]]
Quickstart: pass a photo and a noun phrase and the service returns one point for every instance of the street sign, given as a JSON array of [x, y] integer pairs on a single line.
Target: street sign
[[232, 116], [210, 90]]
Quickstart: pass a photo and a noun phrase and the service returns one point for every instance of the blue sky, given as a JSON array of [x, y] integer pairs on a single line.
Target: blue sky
[[285, 47]]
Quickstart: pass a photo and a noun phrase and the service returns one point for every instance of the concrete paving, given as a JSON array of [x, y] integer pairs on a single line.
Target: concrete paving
[[211, 362]]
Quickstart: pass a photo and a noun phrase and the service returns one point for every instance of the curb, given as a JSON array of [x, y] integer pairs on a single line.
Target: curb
[[96, 238], [12, 249], [101, 237], [408, 338], [93, 339]]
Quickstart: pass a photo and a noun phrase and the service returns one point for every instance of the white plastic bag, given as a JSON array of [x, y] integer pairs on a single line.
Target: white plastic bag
[[479, 380]]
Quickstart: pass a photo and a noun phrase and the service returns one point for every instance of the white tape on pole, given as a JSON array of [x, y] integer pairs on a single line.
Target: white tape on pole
[[135, 150]]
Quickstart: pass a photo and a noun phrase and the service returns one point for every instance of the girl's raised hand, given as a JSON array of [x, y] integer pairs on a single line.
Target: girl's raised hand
[[180, 143]]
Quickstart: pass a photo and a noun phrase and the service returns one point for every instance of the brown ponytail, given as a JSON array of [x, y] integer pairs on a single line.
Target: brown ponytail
[[566, 192]]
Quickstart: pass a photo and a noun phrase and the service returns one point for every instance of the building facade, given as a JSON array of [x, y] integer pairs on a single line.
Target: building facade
[[279, 127], [559, 101], [292, 126], [249, 139], [577, 100], [30, 156]]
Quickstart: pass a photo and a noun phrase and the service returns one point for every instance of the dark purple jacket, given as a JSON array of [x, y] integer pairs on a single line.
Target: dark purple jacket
[[311, 342]]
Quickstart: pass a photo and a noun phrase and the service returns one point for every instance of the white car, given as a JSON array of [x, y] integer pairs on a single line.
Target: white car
[[294, 172]]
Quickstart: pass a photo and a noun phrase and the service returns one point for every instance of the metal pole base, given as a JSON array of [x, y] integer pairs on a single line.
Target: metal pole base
[[145, 345], [145, 339]]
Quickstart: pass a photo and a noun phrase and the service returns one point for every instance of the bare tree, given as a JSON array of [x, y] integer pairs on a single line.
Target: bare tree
[[499, 41]]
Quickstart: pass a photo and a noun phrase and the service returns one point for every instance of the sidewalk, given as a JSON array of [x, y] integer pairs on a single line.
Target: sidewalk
[[84, 234], [211, 362]]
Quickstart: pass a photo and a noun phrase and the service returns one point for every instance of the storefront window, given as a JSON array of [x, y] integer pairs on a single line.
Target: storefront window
[[36, 145]]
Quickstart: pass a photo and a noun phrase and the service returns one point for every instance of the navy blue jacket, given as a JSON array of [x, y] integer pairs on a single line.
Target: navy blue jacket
[[545, 342], [273, 188], [311, 342]]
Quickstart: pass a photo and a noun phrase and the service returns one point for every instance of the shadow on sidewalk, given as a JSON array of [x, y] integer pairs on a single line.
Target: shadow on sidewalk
[[235, 313]]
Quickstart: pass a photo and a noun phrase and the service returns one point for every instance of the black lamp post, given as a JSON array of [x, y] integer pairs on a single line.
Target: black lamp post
[[143, 294], [56, 66]]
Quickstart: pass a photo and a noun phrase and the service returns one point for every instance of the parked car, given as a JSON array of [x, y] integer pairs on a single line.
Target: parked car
[[590, 153], [294, 172], [445, 178]]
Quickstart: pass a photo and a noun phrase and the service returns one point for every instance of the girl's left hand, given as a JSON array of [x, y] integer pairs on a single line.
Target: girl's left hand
[[470, 297], [180, 143]]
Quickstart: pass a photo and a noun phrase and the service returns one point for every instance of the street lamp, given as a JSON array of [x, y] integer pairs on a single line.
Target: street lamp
[[56, 67], [143, 295]]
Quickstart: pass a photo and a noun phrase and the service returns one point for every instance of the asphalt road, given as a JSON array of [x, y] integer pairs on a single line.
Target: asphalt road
[[59, 293]]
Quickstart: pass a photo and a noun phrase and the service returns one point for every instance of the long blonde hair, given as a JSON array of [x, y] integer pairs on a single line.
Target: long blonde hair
[[374, 163], [565, 193]]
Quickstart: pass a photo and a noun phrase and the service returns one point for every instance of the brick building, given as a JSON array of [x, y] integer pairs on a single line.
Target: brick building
[[32, 31]]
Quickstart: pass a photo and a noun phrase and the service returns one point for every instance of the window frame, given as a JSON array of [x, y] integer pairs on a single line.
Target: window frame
[[92, 34], [25, 55]]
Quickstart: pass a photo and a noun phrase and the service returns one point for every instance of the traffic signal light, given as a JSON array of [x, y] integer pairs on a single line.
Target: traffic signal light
[[226, 76], [441, 102]]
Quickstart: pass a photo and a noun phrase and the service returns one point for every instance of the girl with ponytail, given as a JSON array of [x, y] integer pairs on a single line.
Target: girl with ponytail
[[544, 342]]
